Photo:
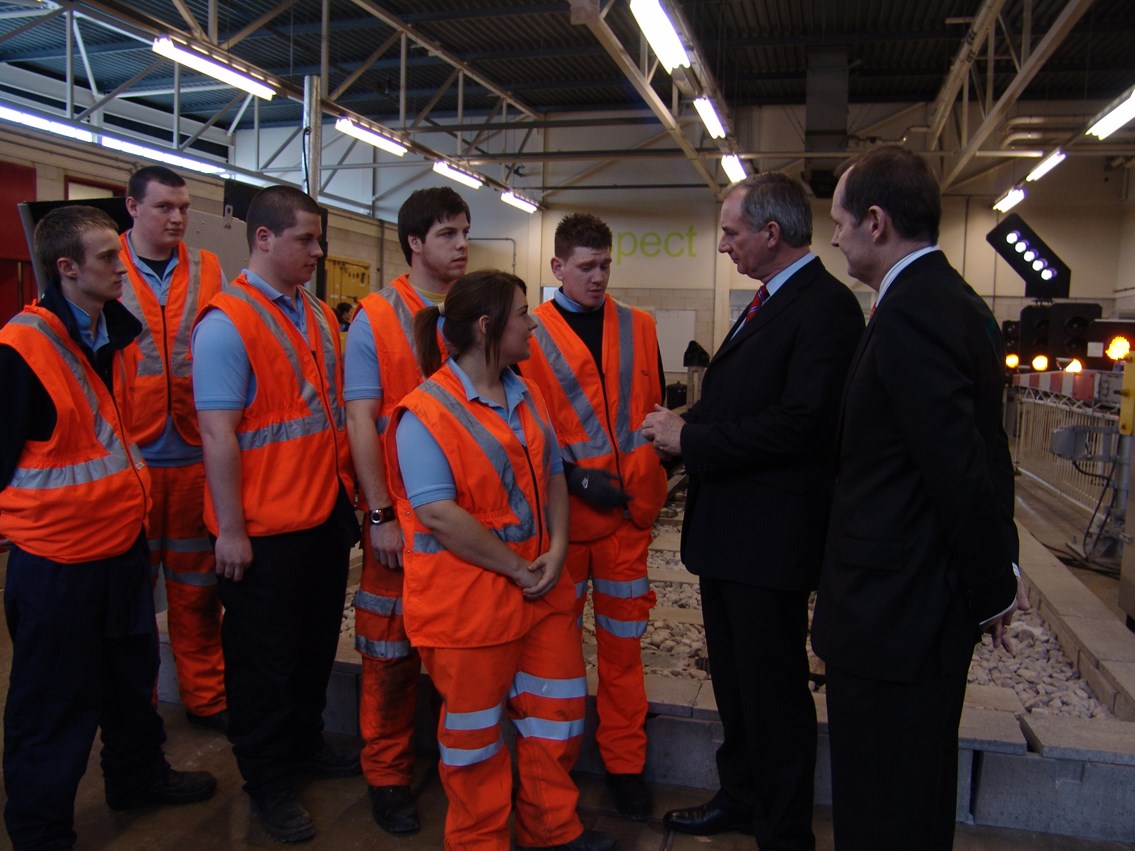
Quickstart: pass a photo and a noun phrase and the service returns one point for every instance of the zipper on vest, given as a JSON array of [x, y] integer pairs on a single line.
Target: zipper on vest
[[123, 434], [539, 510], [166, 366], [611, 435]]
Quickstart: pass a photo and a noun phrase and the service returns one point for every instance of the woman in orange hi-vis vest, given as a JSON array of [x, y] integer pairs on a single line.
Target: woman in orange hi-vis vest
[[485, 599]]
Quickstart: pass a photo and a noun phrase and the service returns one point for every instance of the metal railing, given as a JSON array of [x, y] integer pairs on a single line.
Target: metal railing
[[1033, 415]]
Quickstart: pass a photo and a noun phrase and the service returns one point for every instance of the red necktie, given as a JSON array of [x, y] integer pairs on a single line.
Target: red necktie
[[759, 299]]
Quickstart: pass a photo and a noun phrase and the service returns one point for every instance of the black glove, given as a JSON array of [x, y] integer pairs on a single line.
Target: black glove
[[600, 488]]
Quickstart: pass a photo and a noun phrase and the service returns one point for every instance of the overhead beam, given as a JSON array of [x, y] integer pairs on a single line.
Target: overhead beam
[[606, 37], [439, 51], [983, 23], [1056, 34]]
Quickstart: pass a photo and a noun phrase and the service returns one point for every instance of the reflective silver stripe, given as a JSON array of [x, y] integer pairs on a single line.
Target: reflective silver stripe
[[628, 439], [402, 312], [620, 629], [482, 719], [200, 580], [622, 590], [461, 757], [382, 649], [305, 426], [188, 545], [179, 363], [524, 683], [580, 589], [527, 526], [377, 604], [427, 544], [542, 728], [117, 460], [597, 443], [330, 361], [151, 363]]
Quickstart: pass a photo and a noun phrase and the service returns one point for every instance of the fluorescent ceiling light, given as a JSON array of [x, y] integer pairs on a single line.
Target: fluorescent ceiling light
[[710, 118], [161, 156], [364, 134], [659, 31], [463, 177], [520, 202], [216, 68], [1010, 200], [1046, 165], [1115, 116], [48, 126], [734, 168]]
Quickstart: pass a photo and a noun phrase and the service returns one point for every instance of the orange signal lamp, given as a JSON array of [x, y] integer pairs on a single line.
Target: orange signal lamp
[[1074, 365], [1040, 363], [1012, 361], [1118, 348]]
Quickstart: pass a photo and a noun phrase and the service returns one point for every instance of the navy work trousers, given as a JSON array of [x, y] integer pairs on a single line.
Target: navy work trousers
[[279, 634], [84, 656]]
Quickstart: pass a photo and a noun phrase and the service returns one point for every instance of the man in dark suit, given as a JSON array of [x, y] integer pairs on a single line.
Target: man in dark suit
[[921, 543], [759, 448]]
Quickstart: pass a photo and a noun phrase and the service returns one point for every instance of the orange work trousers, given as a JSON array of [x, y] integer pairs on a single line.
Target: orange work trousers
[[539, 681], [622, 599], [180, 546], [388, 692]]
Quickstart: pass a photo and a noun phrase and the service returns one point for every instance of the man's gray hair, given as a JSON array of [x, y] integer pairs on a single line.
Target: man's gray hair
[[775, 197]]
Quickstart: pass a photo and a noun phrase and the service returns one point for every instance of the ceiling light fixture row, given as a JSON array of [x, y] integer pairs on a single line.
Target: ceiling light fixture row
[[1119, 112], [214, 64], [664, 40]]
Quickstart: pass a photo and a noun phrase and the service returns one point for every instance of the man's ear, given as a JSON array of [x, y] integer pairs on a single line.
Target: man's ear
[[772, 233], [878, 223], [67, 267], [557, 269], [132, 207], [262, 238], [415, 243]]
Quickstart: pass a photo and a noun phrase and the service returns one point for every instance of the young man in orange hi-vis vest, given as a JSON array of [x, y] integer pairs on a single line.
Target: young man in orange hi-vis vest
[[165, 286], [74, 496], [433, 229], [267, 382], [597, 363]]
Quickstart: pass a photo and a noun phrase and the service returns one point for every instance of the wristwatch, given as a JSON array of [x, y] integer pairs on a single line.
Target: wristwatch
[[380, 515]]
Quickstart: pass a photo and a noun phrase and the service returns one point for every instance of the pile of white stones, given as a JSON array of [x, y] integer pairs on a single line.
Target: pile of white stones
[[1042, 676]]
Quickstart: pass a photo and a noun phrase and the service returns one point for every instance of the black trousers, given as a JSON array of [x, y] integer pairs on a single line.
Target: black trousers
[[767, 759], [895, 759], [84, 656], [279, 634]]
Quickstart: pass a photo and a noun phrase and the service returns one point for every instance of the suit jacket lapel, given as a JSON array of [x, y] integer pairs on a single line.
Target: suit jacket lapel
[[785, 295]]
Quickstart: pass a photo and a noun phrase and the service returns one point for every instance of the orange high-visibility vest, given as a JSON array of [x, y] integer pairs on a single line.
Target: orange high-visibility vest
[[294, 451], [599, 420], [162, 383], [391, 313], [448, 602], [84, 493]]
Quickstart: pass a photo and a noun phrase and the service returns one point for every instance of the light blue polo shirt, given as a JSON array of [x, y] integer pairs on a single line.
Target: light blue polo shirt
[[222, 373], [425, 470]]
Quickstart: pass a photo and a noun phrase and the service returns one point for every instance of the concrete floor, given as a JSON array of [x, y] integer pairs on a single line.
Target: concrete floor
[[341, 807]]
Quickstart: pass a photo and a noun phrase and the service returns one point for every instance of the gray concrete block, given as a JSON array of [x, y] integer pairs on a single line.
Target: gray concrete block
[[669, 541], [1122, 676], [671, 695], [677, 615], [682, 752], [1102, 688], [705, 704], [991, 730], [666, 574], [1101, 640], [822, 779], [963, 810], [1067, 797], [1098, 740], [341, 715], [993, 697]]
